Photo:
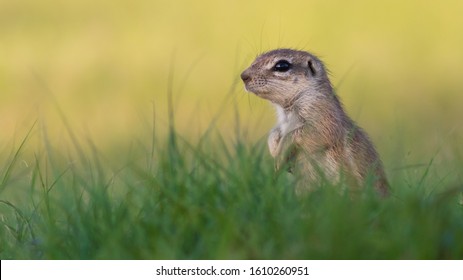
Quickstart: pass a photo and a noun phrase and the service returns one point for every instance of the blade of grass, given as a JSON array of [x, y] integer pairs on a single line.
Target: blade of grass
[[12, 163]]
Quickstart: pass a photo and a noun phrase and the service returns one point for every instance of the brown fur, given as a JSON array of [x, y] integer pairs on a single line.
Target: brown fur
[[313, 132]]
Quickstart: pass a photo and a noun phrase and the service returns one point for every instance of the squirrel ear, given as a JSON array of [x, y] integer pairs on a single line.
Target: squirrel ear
[[311, 68]]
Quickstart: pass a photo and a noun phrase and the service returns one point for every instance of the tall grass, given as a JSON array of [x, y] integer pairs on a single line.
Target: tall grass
[[215, 199]]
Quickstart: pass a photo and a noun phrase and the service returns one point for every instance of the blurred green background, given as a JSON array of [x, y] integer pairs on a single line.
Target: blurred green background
[[397, 66]]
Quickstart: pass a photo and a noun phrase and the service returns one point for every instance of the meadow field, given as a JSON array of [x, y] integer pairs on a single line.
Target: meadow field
[[127, 133]]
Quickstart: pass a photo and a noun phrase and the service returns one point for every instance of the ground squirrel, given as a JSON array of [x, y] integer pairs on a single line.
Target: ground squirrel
[[313, 136]]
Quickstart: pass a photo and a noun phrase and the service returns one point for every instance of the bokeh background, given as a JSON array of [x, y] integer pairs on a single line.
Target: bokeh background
[[109, 66]]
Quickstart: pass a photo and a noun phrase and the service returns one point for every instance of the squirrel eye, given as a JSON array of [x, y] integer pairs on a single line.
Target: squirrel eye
[[282, 66]]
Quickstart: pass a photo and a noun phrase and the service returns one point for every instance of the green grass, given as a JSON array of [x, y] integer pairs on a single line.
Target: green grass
[[172, 199]]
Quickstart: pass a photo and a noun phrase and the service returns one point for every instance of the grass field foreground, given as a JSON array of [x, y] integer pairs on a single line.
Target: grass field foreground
[[171, 199]]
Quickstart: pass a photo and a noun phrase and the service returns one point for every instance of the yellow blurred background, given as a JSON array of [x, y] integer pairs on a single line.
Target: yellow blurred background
[[397, 66]]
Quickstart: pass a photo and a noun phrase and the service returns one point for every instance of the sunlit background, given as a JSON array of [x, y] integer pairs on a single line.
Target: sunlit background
[[108, 66]]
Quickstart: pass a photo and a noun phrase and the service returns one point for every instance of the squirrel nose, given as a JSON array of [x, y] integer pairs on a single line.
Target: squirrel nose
[[245, 76]]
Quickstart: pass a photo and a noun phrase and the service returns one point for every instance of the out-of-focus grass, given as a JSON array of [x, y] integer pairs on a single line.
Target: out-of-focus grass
[[178, 200], [106, 61]]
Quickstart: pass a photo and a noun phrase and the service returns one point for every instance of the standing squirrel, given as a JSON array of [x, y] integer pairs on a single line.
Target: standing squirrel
[[314, 136]]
